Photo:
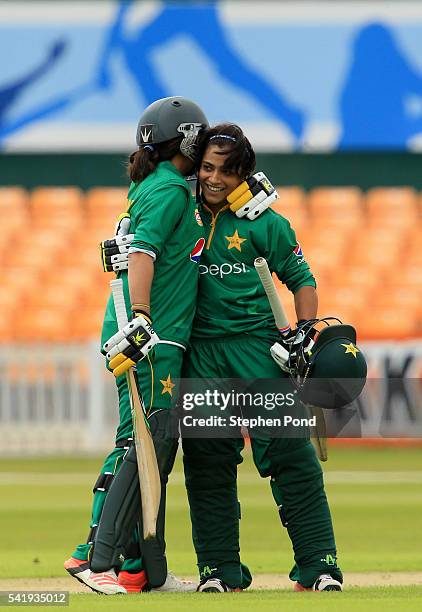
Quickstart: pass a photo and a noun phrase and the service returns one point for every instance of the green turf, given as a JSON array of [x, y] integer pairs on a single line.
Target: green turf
[[393, 598], [45, 507]]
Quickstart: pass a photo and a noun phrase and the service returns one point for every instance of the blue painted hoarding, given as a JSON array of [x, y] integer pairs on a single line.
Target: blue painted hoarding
[[296, 77]]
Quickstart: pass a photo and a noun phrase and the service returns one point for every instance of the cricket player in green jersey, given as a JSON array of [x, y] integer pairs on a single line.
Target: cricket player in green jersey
[[160, 278], [232, 334]]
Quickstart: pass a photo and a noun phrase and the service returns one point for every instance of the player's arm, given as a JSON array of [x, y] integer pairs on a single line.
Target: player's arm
[[306, 303], [284, 350], [140, 276], [286, 259], [154, 222]]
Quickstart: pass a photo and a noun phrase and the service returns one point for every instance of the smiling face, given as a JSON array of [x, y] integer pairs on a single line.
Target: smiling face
[[216, 182]]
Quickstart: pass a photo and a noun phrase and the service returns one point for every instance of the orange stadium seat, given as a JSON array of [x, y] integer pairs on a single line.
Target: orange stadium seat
[[54, 296], [87, 323], [368, 268], [376, 247], [347, 313], [338, 206], [407, 274], [25, 258], [22, 279], [395, 207], [8, 299], [381, 323], [7, 330], [13, 198], [97, 297], [14, 211], [73, 279], [322, 249], [56, 201], [350, 296], [58, 210], [291, 204], [104, 205], [360, 277], [43, 324], [84, 253], [397, 297], [412, 253], [325, 238], [393, 198]]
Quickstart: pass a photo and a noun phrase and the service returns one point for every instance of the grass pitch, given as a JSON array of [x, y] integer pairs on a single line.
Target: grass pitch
[[375, 498], [394, 598]]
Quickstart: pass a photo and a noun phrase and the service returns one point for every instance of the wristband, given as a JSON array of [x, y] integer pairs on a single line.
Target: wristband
[[142, 313]]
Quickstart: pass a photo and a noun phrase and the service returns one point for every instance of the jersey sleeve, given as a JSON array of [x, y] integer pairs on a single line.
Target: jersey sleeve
[[156, 218], [284, 255]]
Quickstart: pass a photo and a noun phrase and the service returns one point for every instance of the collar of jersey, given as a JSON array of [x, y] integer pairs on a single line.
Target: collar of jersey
[[209, 212], [169, 166]]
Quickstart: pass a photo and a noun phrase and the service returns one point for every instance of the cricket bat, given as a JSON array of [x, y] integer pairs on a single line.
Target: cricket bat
[[148, 473], [319, 438]]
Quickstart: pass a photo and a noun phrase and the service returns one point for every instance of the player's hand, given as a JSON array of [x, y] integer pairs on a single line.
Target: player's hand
[[285, 351], [252, 197], [130, 344], [115, 252]]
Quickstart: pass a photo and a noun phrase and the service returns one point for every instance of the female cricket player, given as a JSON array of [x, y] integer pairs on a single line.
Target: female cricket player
[[162, 269], [232, 334]]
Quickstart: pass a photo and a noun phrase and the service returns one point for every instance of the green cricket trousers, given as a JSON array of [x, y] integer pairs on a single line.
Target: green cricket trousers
[[155, 379], [295, 474]]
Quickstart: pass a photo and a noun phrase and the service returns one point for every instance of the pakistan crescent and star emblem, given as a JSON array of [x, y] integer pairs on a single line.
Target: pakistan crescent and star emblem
[[167, 386], [235, 241], [351, 348]]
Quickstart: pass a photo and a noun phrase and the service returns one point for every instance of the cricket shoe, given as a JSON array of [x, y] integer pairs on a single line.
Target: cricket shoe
[[104, 582], [175, 585], [133, 583], [325, 582], [215, 585]]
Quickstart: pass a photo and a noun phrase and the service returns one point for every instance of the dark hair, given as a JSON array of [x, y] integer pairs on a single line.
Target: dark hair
[[232, 141], [145, 160]]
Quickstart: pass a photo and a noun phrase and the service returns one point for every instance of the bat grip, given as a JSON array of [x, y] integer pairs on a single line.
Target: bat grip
[[119, 302], [264, 274]]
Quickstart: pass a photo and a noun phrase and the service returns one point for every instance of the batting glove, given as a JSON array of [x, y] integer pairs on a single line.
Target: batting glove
[[115, 252], [285, 351], [130, 344], [252, 197]]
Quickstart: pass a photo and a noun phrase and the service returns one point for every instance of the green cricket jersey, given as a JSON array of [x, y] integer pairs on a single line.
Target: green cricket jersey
[[166, 224], [231, 298]]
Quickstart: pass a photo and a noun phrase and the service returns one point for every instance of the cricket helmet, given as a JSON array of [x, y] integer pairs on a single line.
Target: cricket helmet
[[333, 372], [169, 118]]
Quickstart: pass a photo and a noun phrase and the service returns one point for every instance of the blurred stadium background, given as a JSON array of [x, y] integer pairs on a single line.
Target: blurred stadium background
[[347, 165]]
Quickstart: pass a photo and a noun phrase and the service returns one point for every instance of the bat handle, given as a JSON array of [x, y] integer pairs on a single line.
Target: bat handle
[[119, 302]]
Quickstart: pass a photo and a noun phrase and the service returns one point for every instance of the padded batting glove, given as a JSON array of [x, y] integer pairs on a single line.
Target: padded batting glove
[[252, 197], [115, 252], [285, 351], [131, 343]]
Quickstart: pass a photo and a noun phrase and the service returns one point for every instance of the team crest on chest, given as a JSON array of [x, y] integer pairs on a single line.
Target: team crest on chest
[[198, 217], [235, 241]]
